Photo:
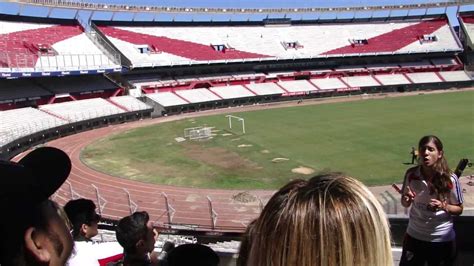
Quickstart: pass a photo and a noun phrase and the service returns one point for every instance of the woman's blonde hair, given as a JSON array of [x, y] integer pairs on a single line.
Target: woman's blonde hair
[[330, 219]]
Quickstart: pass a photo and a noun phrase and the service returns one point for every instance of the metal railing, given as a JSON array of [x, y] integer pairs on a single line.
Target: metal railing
[[27, 62]]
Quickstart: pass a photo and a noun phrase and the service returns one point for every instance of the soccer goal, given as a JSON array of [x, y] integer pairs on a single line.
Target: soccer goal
[[237, 119], [198, 133]]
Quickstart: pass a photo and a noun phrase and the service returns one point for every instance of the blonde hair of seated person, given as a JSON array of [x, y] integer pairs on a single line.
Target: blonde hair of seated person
[[329, 219]]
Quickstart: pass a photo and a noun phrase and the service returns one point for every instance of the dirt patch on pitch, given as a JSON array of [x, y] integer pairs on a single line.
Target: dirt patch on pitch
[[219, 157], [303, 170]]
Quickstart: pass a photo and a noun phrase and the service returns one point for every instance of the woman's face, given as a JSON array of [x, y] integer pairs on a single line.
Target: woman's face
[[429, 154]]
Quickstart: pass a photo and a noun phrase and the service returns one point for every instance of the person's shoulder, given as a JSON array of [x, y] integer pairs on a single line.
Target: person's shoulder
[[413, 171]]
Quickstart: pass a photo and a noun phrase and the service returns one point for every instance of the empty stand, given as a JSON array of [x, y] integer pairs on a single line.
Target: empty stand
[[360, 81], [424, 77], [28, 46], [167, 99], [297, 86], [269, 88], [232, 92], [82, 110], [392, 79], [129, 103], [22, 122], [198, 95], [455, 76], [328, 83], [191, 44]]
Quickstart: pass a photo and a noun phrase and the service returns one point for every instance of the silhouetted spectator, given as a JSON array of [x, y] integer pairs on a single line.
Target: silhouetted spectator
[[33, 232], [193, 254]]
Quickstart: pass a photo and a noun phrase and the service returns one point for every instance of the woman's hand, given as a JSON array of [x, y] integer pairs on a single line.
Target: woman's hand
[[408, 197]]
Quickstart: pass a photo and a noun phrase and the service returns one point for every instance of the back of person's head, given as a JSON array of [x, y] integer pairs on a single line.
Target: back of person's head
[[32, 230], [81, 214], [193, 254], [330, 219], [131, 229]]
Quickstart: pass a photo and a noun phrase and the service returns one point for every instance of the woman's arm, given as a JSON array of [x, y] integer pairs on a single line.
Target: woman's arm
[[453, 209]]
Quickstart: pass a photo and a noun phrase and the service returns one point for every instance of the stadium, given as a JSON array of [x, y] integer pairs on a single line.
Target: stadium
[[197, 114]]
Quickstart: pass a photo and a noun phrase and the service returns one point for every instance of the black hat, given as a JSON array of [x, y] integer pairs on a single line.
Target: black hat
[[34, 178]]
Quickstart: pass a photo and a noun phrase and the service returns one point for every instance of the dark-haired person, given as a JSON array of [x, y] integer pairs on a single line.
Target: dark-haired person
[[137, 236], [434, 194], [84, 221], [31, 228]]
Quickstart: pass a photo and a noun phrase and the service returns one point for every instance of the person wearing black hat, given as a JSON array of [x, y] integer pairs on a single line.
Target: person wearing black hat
[[31, 228]]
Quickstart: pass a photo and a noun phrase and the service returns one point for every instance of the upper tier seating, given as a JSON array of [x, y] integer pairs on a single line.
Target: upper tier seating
[[467, 23], [232, 92], [82, 110], [167, 99], [193, 44], [27, 46], [21, 122], [198, 95], [130, 103]]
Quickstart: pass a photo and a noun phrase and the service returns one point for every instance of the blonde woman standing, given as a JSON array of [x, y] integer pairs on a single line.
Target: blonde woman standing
[[328, 220]]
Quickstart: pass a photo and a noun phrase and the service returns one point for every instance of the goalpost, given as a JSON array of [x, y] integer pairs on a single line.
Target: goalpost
[[239, 119]]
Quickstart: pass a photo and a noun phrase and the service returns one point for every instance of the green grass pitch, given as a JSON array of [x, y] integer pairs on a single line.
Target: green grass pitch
[[368, 139]]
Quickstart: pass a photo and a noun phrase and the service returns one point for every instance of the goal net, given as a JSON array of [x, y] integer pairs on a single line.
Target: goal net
[[197, 133]]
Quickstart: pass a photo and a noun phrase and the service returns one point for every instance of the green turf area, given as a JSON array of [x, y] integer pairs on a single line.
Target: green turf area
[[369, 139]]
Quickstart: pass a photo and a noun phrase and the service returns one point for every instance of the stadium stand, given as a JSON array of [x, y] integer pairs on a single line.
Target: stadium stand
[[129, 103], [82, 109], [265, 88], [448, 76], [167, 99], [360, 81], [192, 44], [232, 92], [423, 77], [198, 95], [296, 86], [35, 44], [392, 79], [25, 121], [328, 83], [18, 93], [467, 23]]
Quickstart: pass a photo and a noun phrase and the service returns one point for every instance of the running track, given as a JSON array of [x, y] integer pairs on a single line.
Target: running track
[[191, 204]]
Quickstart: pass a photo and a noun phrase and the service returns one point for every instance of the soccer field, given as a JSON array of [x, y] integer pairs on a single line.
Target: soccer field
[[368, 139]]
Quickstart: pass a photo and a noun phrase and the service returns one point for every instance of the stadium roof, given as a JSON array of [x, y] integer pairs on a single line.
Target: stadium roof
[[151, 8]]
